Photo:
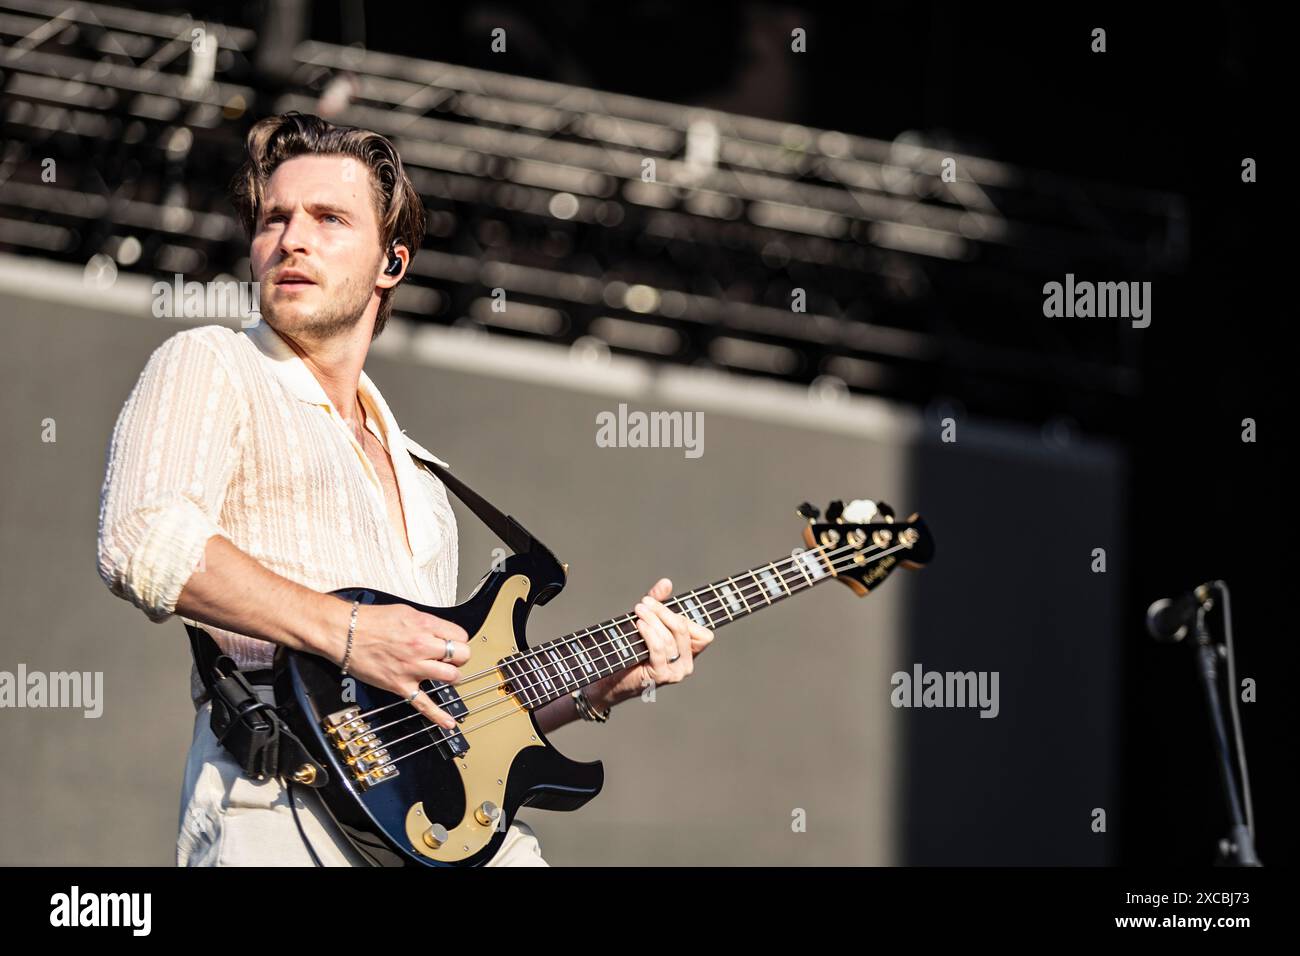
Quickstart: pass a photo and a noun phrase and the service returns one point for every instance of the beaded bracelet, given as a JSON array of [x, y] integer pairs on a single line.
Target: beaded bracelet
[[352, 629], [587, 710]]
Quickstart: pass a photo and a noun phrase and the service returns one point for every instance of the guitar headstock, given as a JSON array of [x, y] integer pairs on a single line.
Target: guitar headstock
[[864, 542]]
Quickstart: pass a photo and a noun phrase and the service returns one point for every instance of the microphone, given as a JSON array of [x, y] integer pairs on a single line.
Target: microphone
[[1169, 618]]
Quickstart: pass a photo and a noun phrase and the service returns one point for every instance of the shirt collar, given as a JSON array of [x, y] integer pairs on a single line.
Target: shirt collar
[[421, 525], [290, 368]]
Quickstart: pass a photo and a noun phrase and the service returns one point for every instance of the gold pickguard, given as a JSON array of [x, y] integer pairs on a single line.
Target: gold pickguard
[[499, 731]]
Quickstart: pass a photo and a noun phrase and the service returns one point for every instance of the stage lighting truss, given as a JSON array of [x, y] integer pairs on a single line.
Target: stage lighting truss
[[904, 268]]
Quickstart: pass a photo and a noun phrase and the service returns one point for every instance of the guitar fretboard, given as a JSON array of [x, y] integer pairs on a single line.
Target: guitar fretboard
[[559, 667]]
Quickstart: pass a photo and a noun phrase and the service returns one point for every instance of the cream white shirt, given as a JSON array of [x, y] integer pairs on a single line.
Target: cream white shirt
[[229, 433]]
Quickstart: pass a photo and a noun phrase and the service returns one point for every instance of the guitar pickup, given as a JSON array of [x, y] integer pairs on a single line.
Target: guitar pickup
[[452, 743]]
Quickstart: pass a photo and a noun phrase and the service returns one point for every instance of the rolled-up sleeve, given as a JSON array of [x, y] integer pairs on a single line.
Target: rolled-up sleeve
[[174, 450]]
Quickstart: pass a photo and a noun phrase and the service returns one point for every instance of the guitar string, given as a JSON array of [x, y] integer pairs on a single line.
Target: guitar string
[[447, 734], [705, 605], [602, 647]]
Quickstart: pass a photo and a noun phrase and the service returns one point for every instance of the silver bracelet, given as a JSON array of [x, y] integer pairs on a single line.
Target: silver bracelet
[[352, 629], [586, 710]]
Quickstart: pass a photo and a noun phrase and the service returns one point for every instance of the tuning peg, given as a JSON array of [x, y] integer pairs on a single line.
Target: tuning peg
[[860, 511], [807, 511], [886, 512], [834, 510]]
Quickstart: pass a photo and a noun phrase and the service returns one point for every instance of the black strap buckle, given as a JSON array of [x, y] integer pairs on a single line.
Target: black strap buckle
[[249, 728]]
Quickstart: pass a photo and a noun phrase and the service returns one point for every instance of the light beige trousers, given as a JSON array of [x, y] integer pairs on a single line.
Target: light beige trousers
[[229, 819]]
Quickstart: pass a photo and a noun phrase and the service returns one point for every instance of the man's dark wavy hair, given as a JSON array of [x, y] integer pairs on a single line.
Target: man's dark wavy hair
[[275, 139]]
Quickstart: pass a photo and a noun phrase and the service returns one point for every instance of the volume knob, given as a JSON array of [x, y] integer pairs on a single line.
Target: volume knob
[[435, 836], [487, 813]]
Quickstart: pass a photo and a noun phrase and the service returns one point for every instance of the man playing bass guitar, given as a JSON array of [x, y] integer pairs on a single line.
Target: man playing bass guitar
[[252, 472]]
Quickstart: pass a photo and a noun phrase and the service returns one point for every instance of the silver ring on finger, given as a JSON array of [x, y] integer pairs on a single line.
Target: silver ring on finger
[[450, 652], [414, 694]]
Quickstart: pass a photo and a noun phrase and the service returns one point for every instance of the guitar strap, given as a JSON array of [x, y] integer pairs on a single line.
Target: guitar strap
[[504, 527], [248, 727]]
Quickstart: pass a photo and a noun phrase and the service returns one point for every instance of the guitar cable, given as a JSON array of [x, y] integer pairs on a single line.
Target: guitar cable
[[293, 805]]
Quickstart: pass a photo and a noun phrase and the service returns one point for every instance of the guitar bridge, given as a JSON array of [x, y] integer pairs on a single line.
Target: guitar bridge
[[353, 736]]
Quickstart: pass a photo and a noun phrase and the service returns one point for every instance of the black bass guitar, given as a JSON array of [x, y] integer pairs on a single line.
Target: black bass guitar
[[409, 793]]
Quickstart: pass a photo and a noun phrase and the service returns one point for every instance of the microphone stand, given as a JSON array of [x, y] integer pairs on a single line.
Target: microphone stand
[[1238, 848]]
